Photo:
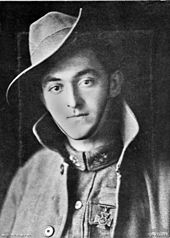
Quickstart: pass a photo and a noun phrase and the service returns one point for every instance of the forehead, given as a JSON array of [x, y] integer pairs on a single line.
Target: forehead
[[73, 64]]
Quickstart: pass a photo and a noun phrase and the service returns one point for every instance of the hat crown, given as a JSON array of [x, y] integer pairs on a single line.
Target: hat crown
[[46, 26]]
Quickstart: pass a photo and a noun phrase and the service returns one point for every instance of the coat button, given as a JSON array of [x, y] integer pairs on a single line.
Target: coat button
[[78, 205], [62, 169], [49, 231]]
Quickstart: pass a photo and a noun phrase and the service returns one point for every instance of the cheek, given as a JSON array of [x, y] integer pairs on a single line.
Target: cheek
[[55, 105], [97, 99]]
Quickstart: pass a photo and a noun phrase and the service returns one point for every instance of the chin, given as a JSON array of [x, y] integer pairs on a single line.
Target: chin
[[78, 137], [81, 135]]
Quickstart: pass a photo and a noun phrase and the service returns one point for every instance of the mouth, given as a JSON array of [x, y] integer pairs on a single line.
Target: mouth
[[78, 115]]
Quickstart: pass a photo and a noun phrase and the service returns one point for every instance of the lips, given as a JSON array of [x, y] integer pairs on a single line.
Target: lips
[[78, 115]]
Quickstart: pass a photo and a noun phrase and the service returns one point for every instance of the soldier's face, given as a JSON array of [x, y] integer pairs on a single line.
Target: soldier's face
[[75, 92]]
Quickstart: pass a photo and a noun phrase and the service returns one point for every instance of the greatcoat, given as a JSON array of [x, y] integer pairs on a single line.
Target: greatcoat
[[38, 196]]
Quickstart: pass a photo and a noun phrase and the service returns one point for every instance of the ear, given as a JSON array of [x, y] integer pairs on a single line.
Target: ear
[[116, 80]]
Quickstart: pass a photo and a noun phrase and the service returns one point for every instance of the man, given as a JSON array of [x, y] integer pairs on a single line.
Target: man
[[86, 181]]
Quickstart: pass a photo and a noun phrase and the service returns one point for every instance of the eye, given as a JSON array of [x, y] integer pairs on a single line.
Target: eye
[[56, 88], [87, 82]]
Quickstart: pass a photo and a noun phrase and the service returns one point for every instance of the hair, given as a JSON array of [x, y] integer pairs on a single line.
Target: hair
[[107, 46]]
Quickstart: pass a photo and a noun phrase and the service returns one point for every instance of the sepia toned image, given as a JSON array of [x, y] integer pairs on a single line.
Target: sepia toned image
[[85, 119]]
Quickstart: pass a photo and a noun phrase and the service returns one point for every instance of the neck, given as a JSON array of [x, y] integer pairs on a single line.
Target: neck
[[95, 141], [86, 145]]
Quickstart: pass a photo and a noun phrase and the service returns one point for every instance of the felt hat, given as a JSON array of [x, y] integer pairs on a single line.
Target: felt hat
[[46, 36]]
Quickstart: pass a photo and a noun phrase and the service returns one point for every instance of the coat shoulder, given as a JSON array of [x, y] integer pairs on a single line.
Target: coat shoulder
[[43, 159], [43, 164]]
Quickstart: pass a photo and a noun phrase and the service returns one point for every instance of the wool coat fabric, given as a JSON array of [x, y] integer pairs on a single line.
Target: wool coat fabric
[[37, 202]]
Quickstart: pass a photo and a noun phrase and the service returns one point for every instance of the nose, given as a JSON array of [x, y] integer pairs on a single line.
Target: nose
[[74, 98]]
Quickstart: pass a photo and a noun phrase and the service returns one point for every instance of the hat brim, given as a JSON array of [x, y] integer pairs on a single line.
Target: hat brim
[[30, 71]]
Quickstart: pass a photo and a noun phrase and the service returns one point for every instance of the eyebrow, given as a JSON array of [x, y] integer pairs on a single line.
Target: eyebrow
[[48, 78], [86, 71]]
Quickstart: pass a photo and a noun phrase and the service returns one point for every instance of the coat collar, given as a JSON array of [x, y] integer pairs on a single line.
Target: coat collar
[[130, 130], [131, 127], [50, 136]]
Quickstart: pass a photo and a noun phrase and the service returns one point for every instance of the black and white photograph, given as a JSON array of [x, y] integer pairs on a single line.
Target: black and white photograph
[[85, 119]]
